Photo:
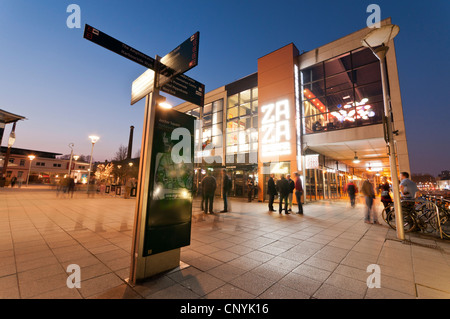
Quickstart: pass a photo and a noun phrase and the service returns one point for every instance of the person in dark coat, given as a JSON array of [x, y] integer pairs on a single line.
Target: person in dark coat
[[291, 191], [271, 191], [209, 189], [298, 192], [283, 188], [226, 187], [250, 187], [352, 190]]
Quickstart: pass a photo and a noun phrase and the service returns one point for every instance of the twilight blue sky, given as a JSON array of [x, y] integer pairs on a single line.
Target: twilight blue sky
[[69, 88]]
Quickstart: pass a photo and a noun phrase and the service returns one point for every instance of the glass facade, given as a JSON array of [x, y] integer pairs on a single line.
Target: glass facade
[[342, 92], [242, 123]]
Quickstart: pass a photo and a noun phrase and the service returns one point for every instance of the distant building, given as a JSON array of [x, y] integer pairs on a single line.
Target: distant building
[[45, 168], [443, 180]]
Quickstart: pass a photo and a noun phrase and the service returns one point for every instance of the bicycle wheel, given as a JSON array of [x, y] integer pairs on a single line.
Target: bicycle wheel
[[386, 211], [428, 218], [444, 216], [409, 224]]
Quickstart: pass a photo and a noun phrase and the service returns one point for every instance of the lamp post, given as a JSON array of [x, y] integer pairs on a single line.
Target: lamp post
[[379, 37], [31, 157], [94, 140], [71, 145]]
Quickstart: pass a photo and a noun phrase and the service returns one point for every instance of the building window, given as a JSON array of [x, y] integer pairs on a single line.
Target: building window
[[22, 162], [212, 124], [242, 122], [11, 160], [342, 92], [40, 163], [19, 174], [56, 165]]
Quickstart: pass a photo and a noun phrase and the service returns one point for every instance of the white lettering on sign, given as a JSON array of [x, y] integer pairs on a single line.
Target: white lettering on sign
[[275, 129]]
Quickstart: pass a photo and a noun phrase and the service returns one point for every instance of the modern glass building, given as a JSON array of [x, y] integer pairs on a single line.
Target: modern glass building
[[311, 112]]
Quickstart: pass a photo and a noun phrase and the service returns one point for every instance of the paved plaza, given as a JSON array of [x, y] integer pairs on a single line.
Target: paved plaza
[[247, 253]]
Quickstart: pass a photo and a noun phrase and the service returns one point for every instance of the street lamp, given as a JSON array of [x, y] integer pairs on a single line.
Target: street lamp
[[31, 157], [71, 145], [379, 37], [94, 140]]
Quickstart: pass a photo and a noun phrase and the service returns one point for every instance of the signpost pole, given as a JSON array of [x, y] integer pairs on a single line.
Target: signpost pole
[[143, 267]]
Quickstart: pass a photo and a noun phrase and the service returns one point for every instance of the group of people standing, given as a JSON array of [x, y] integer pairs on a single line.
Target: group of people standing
[[209, 186], [285, 187], [408, 190]]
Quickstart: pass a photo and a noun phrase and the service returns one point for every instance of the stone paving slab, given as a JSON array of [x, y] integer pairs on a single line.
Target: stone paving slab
[[247, 253]]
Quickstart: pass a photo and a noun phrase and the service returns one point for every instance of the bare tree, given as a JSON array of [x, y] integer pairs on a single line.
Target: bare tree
[[121, 154]]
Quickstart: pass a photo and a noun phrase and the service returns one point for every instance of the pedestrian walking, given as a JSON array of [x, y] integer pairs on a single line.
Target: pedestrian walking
[[291, 192], [71, 186], [209, 189], [283, 189], [271, 191], [369, 194], [351, 191], [298, 192], [226, 187], [250, 187], [13, 181], [20, 181]]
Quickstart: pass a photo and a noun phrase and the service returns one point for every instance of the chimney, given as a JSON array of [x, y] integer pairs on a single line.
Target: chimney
[[130, 142]]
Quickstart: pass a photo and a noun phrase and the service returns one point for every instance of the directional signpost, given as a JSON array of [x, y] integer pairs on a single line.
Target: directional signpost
[[163, 211]]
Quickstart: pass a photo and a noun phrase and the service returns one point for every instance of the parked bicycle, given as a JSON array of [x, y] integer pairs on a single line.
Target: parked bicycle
[[418, 215]]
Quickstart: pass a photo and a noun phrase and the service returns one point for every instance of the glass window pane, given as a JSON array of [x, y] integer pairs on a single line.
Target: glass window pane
[[217, 129], [232, 113], [207, 109], [217, 141], [233, 100], [339, 82], [245, 96], [255, 93], [207, 120], [218, 105], [373, 92], [232, 125], [314, 89], [338, 65], [363, 57], [255, 107], [232, 138], [339, 100], [245, 109], [313, 73], [255, 122], [367, 74], [217, 118]]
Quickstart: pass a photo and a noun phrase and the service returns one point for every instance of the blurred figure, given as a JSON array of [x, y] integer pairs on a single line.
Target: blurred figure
[[291, 191], [209, 186], [369, 194], [283, 189], [128, 187], [71, 186], [351, 191], [226, 187], [250, 187], [20, 181], [385, 188], [271, 191], [91, 186], [13, 181]]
